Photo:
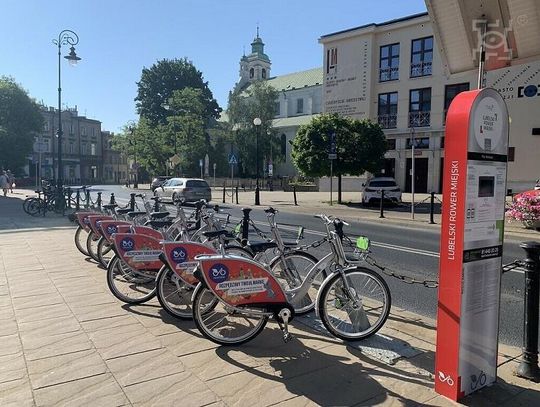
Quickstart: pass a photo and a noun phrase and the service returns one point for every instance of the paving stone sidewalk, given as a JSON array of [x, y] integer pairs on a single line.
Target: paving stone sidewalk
[[65, 340]]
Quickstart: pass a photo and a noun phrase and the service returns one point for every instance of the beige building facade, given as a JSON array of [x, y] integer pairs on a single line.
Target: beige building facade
[[392, 73]]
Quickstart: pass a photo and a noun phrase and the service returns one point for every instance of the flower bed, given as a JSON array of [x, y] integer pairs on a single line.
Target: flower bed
[[525, 209]]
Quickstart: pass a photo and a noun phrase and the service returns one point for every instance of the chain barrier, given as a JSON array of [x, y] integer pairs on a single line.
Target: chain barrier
[[313, 245], [513, 265], [403, 277]]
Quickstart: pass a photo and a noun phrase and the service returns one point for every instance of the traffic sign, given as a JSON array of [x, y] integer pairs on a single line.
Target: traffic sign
[[232, 159], [175, 159], [332, 156]]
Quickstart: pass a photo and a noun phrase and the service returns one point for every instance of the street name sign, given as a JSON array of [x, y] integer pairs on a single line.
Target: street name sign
[[472, 232]]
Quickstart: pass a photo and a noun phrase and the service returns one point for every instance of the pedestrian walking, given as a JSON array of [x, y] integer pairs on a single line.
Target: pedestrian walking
[[4, 182], [11, 180]]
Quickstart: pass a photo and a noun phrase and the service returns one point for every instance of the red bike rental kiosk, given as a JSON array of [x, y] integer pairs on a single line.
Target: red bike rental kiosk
[[472, 230]]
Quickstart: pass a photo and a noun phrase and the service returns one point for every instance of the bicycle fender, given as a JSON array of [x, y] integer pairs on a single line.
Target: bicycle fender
[[180, 257]]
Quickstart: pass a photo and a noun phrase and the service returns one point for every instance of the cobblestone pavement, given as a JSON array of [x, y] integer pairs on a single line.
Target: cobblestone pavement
[[67, 341]]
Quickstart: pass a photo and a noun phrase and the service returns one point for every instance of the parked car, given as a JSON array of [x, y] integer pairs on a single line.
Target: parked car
[[158, 181], [374, 186], [188, 189]]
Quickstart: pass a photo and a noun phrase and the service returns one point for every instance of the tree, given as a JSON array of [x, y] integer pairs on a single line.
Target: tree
[[158, 83], [360, 147], [258, 100], [20, 120]]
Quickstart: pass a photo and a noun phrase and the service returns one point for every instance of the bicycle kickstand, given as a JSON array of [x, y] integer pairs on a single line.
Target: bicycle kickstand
[[284, 316]]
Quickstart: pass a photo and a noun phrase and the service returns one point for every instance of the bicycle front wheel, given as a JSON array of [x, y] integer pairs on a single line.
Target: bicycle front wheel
[[173, 294], [80, 240], [223, 324], [354, 304], [104, 252], [291, 270], [129, 285], [92, 241]]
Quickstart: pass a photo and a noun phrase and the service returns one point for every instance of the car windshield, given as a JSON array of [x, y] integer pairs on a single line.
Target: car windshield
[[196, 184], [381, 184]]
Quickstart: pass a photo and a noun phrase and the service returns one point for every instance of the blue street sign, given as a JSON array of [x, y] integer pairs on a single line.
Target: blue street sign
[[232, 159]]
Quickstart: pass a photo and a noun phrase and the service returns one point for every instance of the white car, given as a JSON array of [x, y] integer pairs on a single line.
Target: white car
[[374, 186]]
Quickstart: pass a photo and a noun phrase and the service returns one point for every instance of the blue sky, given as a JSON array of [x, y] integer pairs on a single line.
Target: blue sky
[[120, 37]]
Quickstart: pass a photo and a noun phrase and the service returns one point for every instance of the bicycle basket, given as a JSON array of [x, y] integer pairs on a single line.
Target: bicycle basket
[[357, 248]]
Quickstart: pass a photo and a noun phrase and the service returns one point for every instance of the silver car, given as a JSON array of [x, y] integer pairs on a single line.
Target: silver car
[[188, 189]]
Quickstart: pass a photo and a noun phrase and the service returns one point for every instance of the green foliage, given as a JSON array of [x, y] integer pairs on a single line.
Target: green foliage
[[245, 105], [159, 82], [20, 120], [360, 146]]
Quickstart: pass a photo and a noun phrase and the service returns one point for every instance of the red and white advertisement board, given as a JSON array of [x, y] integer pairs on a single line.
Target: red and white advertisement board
[[472, 230]]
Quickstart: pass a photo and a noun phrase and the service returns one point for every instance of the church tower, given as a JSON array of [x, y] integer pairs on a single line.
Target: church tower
[[256, 65]]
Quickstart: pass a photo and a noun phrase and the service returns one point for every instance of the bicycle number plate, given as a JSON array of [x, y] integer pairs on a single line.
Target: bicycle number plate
[[238, 228], [363, 243]]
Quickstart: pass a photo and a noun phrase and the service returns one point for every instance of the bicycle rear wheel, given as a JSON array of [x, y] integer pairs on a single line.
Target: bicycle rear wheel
[[356, 308], [291, 270], [92, 241], [80, 240], [173, 294], [129, 285], [35, 206], [221, 323]]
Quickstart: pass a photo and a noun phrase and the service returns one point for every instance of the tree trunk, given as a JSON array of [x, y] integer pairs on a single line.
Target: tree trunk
[[339, 189]]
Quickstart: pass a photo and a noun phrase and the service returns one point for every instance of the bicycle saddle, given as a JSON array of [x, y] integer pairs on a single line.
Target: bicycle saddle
[[262, 246], [159, 215], [110, 206], [270, 210], [123, 211], [212, 234], [136, 213], [158, 224]]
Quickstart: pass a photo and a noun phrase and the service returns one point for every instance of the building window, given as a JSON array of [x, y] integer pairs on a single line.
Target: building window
[[83, 148], [251, 73], [389, 63], [71, 147], [511, 153], [277, 109], [299, 105], [263, 72], [421, 57], [71, 129], [83, 131], [420, 107], [93, 149], [419, 142], [46, 125], [387, 110], [450, 92], [93, 132], [390, 143], [284, 147]]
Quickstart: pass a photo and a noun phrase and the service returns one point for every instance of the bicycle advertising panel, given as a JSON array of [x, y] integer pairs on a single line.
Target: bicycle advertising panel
[[472, 233], [94, 219], [140, 252], [110, 227], [240, 281], [83, 221], [181, 258]]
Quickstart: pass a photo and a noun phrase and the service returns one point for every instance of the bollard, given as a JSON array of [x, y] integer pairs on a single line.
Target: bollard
[[236, 191], [382, 204], [68, 197], [432, 208], [112, 200], [294, 195], [98, 202], [223, 192], [528, 368], [78, 200], [245, 226], [132, 201]]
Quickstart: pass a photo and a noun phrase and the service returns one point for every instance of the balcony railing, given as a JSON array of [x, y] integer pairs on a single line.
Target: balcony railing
[[420, 69], [419, 119], [388, 74], [388, 121]]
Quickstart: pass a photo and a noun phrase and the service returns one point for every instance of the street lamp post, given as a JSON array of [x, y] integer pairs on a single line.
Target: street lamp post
[[257, 122], [131, 129], [413, 175], [66, 37]]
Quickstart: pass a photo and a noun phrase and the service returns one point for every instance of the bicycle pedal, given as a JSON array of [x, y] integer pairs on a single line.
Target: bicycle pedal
[[287, 336]]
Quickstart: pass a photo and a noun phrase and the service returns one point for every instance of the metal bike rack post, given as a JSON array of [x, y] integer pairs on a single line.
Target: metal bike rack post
[[132, 201], [198, 208], [528, 368], [382, 204], [236, 191], [294, 195], [87, 199], [245, 226], [78, 200], [112, 201], [432, 208], [68, 193], [223, 192], [98, 203]]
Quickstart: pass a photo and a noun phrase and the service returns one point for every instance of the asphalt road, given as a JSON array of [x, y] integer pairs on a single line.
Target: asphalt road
[[407, 250]]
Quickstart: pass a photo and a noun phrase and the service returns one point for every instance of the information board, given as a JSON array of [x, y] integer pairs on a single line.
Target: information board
[[474, 189]]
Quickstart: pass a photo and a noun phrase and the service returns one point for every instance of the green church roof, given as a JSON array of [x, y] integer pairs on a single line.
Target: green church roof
[[297, 80]]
